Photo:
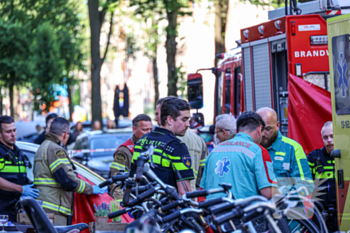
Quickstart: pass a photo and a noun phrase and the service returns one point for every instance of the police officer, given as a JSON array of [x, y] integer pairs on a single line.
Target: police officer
[[141, 125], [54, 175], [289, 160], [173, 164], [196, 147], [13, 171], [322, 168], [241, 162]]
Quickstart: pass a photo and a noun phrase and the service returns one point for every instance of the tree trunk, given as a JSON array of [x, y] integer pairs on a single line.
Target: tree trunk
[[156, 80], [0, 101], [95, 29], [12, 109], [69, 90], [221, 10], [170, 46]]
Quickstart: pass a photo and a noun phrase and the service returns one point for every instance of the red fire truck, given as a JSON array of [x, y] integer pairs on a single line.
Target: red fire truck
[[255, 73]]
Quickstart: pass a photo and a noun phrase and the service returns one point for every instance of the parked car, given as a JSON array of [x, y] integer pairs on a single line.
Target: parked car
[[125, 123], [106, 142], [30, 149]]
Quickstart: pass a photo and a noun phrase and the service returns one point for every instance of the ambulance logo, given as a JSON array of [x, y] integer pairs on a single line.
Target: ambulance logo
[[222, 167], [342, 67]]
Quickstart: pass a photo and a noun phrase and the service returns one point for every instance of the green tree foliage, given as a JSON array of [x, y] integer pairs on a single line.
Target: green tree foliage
[[15, 50], [171, 10], [46, 37], [149, 18], [274, 3]]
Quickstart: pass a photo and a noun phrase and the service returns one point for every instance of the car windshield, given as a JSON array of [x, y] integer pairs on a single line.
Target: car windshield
[[112, 142]]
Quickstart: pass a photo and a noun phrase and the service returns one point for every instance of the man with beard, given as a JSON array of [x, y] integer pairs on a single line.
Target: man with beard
[[289, 160], [322, 168]]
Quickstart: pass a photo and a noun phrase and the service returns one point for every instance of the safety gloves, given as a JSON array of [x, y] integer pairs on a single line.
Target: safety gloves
[[30, 192], [97, 190]]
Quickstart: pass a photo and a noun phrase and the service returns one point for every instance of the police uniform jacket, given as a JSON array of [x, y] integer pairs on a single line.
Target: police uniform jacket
[[55, 178], [12, 169], [171, 158], [322, 169]]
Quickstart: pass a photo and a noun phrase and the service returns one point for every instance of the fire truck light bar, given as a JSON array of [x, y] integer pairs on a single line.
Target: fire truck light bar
[[318, 40]]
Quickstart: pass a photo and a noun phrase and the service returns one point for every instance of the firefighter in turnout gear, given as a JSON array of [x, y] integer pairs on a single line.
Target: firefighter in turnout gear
[[54, 173], [322, 168], [142, 124], [13, 170]]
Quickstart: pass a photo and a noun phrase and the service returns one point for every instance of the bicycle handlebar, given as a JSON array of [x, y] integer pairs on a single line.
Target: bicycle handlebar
[[113, 179], [171, 205], [211, 202], [142, 196], [178, 213], [229, 215], [118, 213]]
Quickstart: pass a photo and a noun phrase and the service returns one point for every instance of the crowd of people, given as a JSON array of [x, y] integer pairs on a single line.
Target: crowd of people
[[252, 155]]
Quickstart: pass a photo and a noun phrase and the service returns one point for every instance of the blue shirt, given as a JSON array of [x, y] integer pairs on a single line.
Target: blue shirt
[[242, 163]]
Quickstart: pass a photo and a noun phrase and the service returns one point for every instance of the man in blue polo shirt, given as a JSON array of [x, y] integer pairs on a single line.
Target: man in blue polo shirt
[[289, 160], [242, 162]]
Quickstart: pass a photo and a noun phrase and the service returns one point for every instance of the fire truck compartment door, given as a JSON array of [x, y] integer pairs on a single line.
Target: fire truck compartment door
[[257, 79], [339, 63]]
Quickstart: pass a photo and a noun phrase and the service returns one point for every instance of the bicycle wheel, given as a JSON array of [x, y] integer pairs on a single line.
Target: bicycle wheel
[[300, 222]]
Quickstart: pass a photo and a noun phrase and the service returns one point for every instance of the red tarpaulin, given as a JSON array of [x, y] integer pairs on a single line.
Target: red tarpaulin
[[309, 107], [84, 207]]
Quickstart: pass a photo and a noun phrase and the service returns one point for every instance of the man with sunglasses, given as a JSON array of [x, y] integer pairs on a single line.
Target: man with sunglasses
[[225, 127], [54, 173]]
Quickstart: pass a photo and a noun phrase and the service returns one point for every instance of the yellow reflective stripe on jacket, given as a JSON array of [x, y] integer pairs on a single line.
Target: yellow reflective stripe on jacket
[[195, 173], [299, 156], [58, 162], [118, 166], [81, 187], [330, 161], [202, 163], [50, 206], [167, 155], [65, 210], [14, 169], [280, 153], [311, 164], [10, 162], [138, 147], [172, 157], [180, 166], [135, 156], [56, 208], [45, 181], [324, 175]]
